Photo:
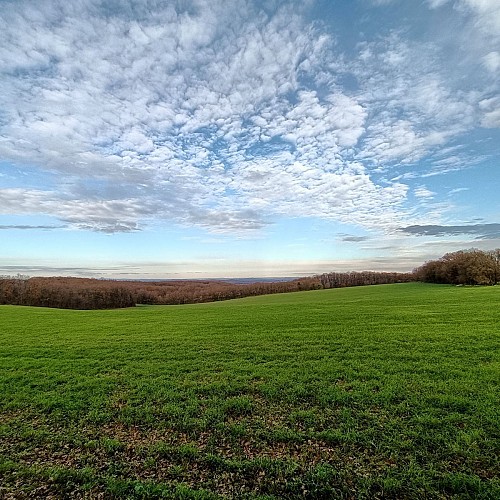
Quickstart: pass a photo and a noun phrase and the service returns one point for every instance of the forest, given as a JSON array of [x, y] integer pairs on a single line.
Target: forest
[[466, 267], [86, 293]]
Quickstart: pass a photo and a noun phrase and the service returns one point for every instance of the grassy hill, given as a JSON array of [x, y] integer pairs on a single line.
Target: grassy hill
[[388, 391]]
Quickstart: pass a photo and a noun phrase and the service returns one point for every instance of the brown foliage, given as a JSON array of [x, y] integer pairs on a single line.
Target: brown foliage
[[465, 267], [65, 293], [339, 280], [85, 293]]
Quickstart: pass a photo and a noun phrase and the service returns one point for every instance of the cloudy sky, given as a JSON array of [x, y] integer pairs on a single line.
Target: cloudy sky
[[194, 138]]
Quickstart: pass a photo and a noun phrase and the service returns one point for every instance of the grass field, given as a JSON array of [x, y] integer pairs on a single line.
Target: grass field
[[387, 391]]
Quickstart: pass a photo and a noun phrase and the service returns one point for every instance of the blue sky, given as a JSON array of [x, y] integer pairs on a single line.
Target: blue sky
[[214, 138]]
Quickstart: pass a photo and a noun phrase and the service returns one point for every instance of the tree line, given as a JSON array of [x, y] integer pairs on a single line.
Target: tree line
[[86, 293], [64, 293], [465, 267]]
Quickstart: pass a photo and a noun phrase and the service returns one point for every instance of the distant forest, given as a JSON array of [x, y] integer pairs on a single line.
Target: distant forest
[[84, 293], [467, 267]]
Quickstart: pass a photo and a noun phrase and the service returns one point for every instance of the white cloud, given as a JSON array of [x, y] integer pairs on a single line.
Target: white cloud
[[413, 110], [474, 34], [491, 108], [492, 61], [135, 140], [457, 190], [424, 193], [98, 215], [382, 2], [435, 4], [215, 114], [171, 116], [295, 189], [487, 15]]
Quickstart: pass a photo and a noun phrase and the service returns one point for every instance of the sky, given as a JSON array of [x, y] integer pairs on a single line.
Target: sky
[[245, 138]]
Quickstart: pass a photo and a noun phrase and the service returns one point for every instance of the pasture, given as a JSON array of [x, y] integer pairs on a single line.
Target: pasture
[[387, 391]]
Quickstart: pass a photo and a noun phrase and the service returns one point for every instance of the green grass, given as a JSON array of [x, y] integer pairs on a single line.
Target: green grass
[[377, 392]]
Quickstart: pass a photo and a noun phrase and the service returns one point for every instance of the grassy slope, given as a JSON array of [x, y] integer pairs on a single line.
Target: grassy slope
[[383, 391]]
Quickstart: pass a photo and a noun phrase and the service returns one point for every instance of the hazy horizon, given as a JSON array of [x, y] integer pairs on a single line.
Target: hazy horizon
[[151, 272]]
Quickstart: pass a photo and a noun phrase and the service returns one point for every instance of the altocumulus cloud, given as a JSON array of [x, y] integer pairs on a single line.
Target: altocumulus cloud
[[217, 113], [192, 114]]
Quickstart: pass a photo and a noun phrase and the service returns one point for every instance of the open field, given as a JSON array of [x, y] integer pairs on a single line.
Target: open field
[[388, 391]]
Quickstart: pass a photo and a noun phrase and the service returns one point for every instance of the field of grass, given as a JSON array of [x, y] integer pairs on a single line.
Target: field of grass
[[389, 391]]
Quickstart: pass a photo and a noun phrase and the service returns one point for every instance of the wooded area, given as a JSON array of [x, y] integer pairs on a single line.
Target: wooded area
[[466, 267], [85, 293]]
